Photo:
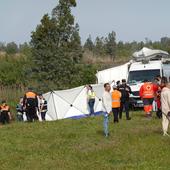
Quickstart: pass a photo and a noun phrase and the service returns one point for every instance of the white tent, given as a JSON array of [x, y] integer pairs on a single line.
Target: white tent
[[146, 53], [115, 73], [72, 103]]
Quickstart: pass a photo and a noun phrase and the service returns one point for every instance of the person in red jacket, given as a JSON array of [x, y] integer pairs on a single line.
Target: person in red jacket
[[147, 94]]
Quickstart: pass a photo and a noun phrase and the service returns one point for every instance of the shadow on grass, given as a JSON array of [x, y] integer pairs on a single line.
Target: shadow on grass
[[157, 131], [100, 132]]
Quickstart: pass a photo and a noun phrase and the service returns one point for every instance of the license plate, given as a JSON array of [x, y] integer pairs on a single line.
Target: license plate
[[139, 102]]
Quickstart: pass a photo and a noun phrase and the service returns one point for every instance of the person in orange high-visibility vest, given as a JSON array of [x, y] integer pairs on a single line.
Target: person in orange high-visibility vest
[[147, 94], [30, 104], [116, 95], [5, 115]]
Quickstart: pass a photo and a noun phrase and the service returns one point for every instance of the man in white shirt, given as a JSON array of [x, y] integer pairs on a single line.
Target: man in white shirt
[[107, 107]]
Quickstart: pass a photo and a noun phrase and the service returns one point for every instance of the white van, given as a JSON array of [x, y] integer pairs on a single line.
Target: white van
[[146, 65], [138, 72]]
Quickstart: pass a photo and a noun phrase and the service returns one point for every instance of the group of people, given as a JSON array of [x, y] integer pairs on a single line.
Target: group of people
[[31, 105], [158, 92], [114, 102], [116, 99]]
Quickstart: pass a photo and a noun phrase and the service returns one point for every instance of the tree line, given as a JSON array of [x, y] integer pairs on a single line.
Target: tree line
[[108, 46]]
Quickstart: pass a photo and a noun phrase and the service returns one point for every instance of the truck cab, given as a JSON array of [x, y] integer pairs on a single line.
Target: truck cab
[[140, 71]]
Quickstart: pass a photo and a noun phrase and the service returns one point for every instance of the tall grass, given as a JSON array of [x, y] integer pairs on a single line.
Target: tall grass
[[11, 94]]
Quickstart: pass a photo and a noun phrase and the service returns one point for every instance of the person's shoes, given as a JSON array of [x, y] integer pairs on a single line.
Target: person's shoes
[[128, 118], [148, 115], [116, 121], [166, 134], [107, 135]]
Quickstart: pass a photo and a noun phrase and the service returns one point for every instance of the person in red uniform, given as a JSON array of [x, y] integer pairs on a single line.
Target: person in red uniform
[[157, 91], [147, 94]]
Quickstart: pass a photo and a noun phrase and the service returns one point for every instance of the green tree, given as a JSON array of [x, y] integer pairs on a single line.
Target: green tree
[[110, 45], [89, 44], [56, 47], [11, 48], [25, 49], [2, 46], [99, 46]]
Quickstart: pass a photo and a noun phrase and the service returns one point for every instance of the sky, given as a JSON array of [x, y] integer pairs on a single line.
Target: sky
[[132, 20]]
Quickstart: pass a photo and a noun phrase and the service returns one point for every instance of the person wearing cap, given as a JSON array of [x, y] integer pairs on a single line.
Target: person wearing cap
[[107, 107], [42, 107], [116, 96], [30, 104], [125, 94], [5, 114]]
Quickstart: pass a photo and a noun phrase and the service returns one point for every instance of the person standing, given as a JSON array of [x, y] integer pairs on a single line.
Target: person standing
[[157, 98], [118, 84], [43, 107], [147, 94], [19, 109], [125, 94], [116, 96], [107, 107], [165, 103], [161, 82], [91, 99], [5, 116], [30, 103]]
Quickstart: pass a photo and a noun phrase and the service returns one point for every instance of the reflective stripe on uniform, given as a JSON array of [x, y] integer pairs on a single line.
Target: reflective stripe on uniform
[[115, 100], [116, 95]]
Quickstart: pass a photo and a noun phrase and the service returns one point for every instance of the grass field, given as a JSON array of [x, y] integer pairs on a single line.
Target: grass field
[[80, 145]]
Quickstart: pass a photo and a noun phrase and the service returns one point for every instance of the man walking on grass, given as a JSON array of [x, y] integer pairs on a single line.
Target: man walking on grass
[[107, 107]]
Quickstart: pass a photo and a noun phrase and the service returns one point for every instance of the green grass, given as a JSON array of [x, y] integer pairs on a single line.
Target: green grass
[[80, 145]]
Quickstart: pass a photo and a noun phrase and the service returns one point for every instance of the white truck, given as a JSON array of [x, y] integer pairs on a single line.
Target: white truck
[[139, 72], [146, 64]]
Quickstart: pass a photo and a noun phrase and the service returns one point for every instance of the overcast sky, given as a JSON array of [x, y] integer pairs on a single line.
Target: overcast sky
[[130, 19]]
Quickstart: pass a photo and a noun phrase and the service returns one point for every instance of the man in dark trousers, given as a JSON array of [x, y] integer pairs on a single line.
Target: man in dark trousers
[[125, 91], [30, 103], [42, 107], [5, 115]]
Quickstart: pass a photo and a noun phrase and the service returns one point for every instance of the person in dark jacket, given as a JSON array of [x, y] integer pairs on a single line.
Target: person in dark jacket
[[125, 91], [5, 114], [30, 105]]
